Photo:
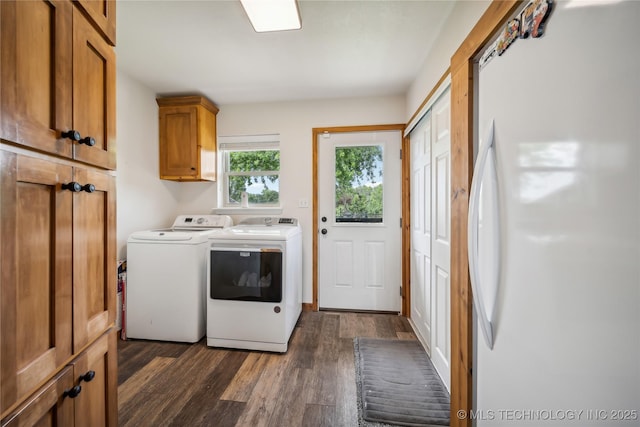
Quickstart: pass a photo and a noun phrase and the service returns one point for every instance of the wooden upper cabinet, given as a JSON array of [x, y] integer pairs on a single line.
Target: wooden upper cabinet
[[35, 74], [36, 271], [103, 15], [94, 256], [187, 138], [94, 108], [57, 75]]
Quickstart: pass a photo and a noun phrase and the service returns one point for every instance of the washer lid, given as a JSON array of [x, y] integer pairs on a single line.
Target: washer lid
[[260, 232], [168, 235]]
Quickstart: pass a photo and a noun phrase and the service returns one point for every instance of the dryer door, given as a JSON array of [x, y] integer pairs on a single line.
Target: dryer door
[[245, 274]]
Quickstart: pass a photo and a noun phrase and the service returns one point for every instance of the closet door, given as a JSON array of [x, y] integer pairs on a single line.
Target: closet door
[[441, 237], [421, 228], [430, 233]]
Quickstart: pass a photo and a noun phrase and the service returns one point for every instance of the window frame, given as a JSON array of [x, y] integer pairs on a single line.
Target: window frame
[[228, 144]]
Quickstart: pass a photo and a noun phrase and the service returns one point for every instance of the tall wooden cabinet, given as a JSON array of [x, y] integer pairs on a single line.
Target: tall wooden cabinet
[[57, 213]]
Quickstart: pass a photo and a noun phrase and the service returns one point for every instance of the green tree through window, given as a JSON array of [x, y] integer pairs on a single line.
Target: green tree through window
[[359, 184], [256, 172]]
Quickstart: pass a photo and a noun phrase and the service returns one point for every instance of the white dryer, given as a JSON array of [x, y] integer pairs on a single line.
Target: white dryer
[[165, 295], [254, 284]]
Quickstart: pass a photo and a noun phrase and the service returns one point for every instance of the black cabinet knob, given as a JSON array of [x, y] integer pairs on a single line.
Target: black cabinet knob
[[73, 392], [324, 231], [88, 140], [72, 186], [324, 219], [89, 188], [88, 376], [73, 135]]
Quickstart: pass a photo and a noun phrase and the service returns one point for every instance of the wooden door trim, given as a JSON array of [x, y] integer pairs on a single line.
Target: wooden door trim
[[462, 125], [346, 129]]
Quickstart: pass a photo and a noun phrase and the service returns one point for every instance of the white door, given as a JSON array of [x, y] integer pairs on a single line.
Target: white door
[[430, 233], [359, 208], [421, 228]]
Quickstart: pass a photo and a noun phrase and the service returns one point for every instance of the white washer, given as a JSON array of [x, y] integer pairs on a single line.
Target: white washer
[[254, 276], [165, 295]]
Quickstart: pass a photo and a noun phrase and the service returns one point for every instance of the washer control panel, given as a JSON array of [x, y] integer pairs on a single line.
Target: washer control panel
[[200, 222]]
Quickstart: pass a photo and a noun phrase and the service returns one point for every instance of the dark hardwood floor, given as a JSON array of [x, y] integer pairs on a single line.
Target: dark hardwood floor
[[313, 384]]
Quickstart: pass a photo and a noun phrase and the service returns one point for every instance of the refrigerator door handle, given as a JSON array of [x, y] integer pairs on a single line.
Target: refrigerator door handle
[[472, 238]]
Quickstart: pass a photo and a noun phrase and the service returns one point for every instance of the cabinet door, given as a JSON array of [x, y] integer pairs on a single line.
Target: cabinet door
[[97, 403], [49, 406], [35, 291], [35, 74], [103, 14], [94, 257], [94, 93], [179, 142]]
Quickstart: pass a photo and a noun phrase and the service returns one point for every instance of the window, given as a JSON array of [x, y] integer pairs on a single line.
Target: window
[[251, 165], [359, 184]]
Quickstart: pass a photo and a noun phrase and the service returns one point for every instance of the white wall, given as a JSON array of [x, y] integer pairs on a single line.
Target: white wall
[[462, 19], [145, 201]]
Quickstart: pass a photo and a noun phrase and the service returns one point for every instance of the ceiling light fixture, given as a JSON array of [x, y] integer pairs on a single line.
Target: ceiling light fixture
[[272, 15]]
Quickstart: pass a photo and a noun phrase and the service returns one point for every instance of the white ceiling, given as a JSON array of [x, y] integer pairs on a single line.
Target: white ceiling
[[346, 48]]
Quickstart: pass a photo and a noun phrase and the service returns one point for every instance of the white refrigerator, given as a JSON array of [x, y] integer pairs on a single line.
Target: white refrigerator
[[558, 242]]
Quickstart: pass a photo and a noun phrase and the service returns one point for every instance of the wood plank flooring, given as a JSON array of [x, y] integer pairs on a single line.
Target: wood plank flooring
[[313, 384]]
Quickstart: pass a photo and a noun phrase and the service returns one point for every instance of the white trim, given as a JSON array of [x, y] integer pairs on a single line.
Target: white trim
[[425, 109], [235, 139], [248, 211]]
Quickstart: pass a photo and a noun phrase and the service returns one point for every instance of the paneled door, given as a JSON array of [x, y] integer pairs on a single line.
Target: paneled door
[[94, 79], [421, 228], [430, 233], [359, 209], [94, 255], [36, 268]]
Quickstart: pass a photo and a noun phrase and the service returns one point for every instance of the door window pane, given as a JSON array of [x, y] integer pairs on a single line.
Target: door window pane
[[359, 184]]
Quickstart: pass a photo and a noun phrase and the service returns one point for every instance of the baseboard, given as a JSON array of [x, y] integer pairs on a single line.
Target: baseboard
[[419, 336]]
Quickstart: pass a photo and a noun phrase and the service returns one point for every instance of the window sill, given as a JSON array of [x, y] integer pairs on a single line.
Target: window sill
[[248, 211]]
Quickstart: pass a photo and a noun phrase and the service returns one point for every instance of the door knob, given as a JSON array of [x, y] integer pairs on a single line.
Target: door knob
[[73, 135], [324, 231], [88, 376], [73, 392], [88, 140], [89, 188], [72, 186]]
